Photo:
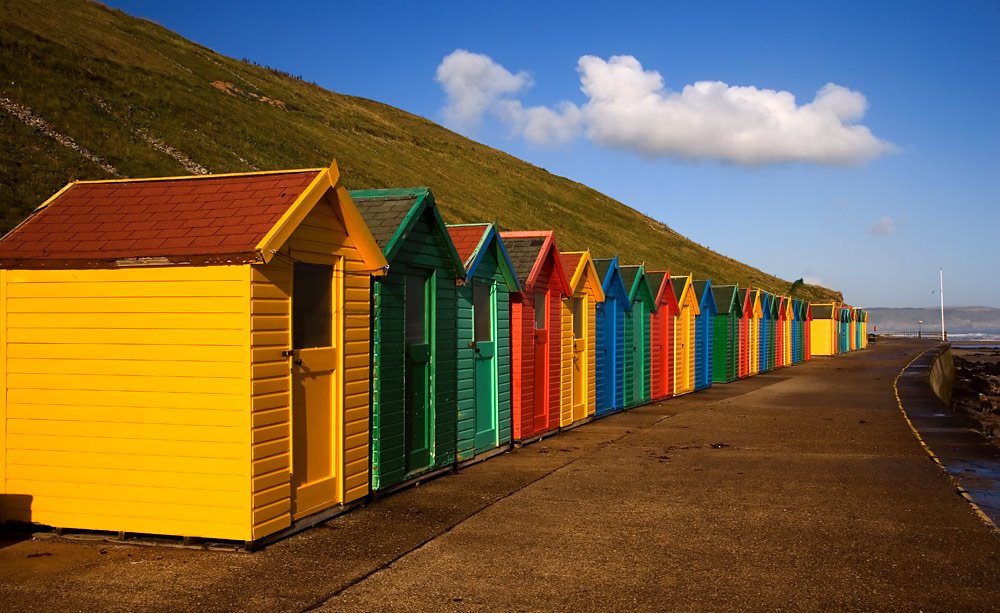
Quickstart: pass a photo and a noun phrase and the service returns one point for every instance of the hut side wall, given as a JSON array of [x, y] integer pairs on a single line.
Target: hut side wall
[[127, 404]]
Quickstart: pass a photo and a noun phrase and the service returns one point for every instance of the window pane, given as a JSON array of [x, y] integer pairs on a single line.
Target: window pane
[[482, 312], [578, 317], [541, 310], [416, 305], [312, 306]]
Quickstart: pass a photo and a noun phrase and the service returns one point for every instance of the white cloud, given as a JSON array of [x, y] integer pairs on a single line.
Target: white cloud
[[883, 227], [630, 108], [473, 84]]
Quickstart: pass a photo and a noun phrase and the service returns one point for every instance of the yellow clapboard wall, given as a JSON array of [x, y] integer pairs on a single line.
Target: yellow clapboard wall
[[566, 364], [126, 399]]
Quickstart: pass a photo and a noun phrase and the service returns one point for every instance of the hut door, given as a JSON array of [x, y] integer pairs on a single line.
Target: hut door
[[638, 357], [484, 314], [541, 413], [419, 365], [684, 350], [580, 358], [610, 351], [314, 361]]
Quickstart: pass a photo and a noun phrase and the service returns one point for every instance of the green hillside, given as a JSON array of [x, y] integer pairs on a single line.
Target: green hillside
[[89, 92]]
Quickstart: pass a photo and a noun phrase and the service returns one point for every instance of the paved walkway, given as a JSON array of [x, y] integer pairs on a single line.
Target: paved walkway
[[802, 489]]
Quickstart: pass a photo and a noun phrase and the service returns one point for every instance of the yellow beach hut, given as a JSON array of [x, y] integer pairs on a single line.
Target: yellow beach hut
[[579, 345], [684, 334], [186, 356], [823, 329], [755, 317]]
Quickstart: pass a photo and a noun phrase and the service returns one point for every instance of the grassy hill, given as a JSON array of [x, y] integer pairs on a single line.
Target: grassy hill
[[89, 92]]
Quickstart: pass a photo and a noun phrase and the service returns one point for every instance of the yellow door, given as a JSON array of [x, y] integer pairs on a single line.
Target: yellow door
[[580, 358], [314, 365]]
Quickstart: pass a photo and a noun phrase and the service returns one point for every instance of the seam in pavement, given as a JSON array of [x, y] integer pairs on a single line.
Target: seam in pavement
[[930, 452], [328, 597]]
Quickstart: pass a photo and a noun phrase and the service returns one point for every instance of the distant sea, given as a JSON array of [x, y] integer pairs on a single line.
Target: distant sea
[[980, 339]]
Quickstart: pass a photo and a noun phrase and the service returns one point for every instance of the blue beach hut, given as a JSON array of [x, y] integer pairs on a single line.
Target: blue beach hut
[[610, 332], [704, 331]]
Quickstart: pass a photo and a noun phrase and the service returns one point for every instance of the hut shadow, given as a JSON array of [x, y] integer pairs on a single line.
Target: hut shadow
[[15, 510]]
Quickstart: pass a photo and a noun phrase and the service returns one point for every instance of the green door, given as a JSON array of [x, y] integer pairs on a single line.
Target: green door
[[419, 364], [484, 313], [638, 353]]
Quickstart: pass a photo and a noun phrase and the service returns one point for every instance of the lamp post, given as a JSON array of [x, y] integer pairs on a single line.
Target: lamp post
[[920, 328]]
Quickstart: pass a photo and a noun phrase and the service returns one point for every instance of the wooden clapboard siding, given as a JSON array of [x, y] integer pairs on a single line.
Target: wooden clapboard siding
[[522, 317], [591, 353], [126, 399]]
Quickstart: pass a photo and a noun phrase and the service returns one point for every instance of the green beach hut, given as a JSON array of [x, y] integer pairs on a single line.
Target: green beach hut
[[413, 335], [484, 363], [726, 337], [637, 321]]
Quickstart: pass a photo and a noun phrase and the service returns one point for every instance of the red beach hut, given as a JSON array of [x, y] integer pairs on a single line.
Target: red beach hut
[[661, 335], [743, 370], [536, 331], [779, 332]]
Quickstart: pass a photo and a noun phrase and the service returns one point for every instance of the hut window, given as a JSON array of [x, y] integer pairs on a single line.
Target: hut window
[[416, 308], [541, 309], [482, 312], [578, 318], [312, 306]]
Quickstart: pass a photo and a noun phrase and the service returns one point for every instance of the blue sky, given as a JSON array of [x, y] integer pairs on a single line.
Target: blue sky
[[922, 195]]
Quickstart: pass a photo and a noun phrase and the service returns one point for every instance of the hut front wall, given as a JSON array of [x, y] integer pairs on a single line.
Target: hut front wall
[[128, 395], [566, 362], [822, 337], [424, 251], [609, 314], [489, 271], [321, 238]]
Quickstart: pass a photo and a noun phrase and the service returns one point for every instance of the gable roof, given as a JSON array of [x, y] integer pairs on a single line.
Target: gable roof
[[203, 219], [579, 266], [392, 213], [639, 288], [663, 288], [611, 280], [473, 241], [528, 251], [706, 299], [727, 299], [684, 290]]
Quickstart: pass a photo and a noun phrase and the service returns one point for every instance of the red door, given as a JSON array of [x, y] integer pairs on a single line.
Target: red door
[[541, 408]]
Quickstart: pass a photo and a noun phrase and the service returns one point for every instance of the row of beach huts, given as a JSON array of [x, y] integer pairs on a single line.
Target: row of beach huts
[[236, 356]]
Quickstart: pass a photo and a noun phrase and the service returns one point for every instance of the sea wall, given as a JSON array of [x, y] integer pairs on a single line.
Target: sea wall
[[942, 374]]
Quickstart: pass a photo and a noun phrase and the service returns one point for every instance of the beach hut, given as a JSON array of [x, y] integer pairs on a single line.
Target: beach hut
[[662, 325], [843, 329], [414, 336], [746, 315], [726, 336], [823, 329], [684, 334], [779, 332], [807, 332], [704, 325], [789, 311], [610, 323], [186, 356], [772, 329], [797, 319], [579, 338], [536, 332], [863, 329], [853, 333], [483, 337], [637, 321], [756, 320], [766, 330]]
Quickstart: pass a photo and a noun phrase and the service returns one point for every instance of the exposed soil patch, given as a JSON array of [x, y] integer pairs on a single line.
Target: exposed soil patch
[[977, 389], [232, 90]]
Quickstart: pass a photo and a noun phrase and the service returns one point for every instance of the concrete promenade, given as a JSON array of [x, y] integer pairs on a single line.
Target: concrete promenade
[[801, 489]]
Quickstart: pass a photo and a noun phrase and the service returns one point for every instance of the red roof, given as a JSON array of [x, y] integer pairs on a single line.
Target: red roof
[[171, 218], [570, 261], [466, 238]]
